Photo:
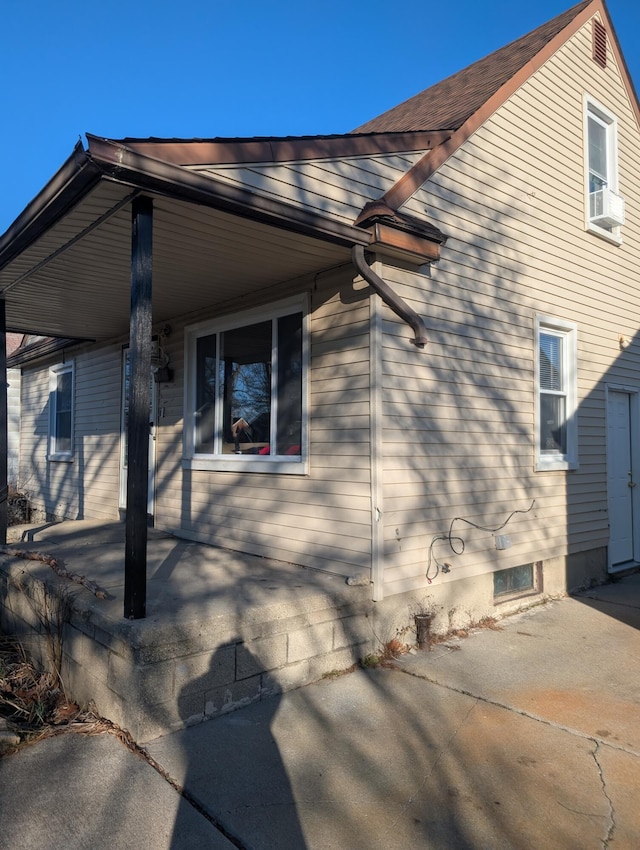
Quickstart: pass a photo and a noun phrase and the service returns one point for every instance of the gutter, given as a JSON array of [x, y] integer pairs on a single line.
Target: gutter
[[70, 184], [390, 298], [42, 348], [108, 160]]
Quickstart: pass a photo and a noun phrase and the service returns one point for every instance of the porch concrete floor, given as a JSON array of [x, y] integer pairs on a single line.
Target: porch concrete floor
[[222, 628], [187, 583]]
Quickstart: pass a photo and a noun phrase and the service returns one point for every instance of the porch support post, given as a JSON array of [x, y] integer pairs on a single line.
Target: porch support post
[[4, 441], [135, 562]]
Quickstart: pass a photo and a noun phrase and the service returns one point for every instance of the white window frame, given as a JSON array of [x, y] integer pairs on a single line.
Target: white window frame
[[599, 113], [567, 332], [295, 465], [55, 453]]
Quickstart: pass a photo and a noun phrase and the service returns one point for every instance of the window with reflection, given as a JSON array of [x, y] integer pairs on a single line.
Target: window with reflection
[[245, 382], [61, 412]]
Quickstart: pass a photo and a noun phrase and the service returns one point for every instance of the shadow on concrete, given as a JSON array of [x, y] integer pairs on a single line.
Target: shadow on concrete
[[244, 754], [619, 598]]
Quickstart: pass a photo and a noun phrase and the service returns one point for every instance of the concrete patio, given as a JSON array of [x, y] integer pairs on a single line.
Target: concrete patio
[[518, 738], [223, 629]]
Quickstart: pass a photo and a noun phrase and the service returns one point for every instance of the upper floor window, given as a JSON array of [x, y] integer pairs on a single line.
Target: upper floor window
[[556, 395], [245, 391], [605, 206], [61, 412]]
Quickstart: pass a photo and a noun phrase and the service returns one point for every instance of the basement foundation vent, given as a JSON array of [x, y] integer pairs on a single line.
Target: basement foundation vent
[[599, 44]]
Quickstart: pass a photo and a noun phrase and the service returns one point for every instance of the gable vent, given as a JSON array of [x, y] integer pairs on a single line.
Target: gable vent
[[599, 44]]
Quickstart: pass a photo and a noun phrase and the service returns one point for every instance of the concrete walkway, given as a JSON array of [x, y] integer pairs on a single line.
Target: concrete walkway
[[524, 737]]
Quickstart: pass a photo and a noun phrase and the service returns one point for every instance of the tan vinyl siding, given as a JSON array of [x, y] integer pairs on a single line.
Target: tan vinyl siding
[[34, 431], [13, 426], [459, 426], [320, 520], [97, 428], [335, 187], [86, 487]]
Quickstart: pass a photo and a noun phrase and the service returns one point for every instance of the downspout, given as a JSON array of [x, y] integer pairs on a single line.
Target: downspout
[[390, 298], [407, 314]]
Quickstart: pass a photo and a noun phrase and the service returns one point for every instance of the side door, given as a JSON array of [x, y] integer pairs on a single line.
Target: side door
[[622, 476]]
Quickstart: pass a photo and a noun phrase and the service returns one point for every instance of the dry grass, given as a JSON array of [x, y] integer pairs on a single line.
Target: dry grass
[[34, 702], [483, 623], [392, 650], [37, 708]]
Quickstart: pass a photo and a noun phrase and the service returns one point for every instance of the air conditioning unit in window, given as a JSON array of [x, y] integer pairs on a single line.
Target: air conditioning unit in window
[[606, 208]]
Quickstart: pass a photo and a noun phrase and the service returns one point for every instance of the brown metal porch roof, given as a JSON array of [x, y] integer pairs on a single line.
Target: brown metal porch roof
[[65, 263], [219, 151]]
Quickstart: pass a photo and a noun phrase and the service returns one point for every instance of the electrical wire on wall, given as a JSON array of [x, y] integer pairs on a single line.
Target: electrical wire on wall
[[457, 545]]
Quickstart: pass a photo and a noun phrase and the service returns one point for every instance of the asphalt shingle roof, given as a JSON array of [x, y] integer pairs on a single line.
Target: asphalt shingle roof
[[449, 103]]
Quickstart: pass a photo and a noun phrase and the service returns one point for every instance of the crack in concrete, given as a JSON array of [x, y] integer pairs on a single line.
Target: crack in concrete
[[575, 732], [127, 741], [431, 770], [579, 811], [612, 811], [498, 704]]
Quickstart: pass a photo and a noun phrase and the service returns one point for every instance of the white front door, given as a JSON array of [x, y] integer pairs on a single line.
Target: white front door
[[123, 438], [621, 477]]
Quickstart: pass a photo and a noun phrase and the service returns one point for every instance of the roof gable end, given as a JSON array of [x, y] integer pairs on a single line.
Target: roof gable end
[[450, 102], [546, 40]]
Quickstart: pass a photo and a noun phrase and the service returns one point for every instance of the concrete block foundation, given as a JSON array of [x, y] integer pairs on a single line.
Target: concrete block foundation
[[205, 653]]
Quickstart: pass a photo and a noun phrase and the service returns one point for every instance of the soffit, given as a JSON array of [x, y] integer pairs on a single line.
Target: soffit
[[74, 280]]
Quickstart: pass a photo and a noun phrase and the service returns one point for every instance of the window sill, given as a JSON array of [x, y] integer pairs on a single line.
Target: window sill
[[60, 458], [555, 465], [238, 463], [516, 595], [615, 238]]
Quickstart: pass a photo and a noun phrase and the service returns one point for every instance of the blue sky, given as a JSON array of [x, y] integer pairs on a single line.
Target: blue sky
[[205, 69]]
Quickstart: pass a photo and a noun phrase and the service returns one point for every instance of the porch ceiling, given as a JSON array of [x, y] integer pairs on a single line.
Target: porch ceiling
[[74, 279]]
